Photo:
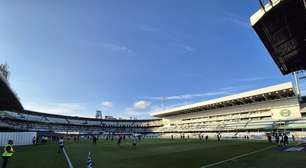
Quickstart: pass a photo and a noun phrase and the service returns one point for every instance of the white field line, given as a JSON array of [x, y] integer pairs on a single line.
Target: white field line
[[236, 157], [67, 158]]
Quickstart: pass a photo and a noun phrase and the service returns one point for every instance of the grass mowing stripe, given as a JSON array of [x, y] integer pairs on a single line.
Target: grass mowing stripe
[[67, 158], [237, 157]]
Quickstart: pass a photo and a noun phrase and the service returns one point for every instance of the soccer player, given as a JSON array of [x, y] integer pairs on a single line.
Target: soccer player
[[281, 142], [219, 137], [94, 140], [8, 153], [119, 140], [34, 140], [285, 140], [269, 138], [277, 139], [134, 141], [61, 144]]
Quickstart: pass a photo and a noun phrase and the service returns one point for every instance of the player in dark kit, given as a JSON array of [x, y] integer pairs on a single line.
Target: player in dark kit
[[219, 137], [94, 140], [286, 140], [119, 140]]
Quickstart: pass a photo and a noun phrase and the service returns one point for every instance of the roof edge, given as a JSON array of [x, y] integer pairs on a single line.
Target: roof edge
[[282, 86]]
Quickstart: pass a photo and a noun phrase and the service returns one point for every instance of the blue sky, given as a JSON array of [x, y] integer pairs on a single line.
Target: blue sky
[[75, 56]]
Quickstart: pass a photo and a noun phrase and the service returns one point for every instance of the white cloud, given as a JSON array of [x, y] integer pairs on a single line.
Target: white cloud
[[131, 112], [188, 48], [71, 109], [191, 96], [141, 109], [107, 104], [252, 79], [238, 20], [163, 107], [142, 104], [219, 92], [116, 47]]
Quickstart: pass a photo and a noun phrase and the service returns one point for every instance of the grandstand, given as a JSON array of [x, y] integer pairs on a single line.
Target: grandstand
[[14, 118], [252, 113], [42, 122]]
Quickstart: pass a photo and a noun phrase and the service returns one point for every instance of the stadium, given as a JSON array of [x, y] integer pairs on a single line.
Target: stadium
[[239, 130]]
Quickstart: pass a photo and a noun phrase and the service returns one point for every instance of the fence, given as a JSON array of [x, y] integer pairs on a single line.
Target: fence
[[19, 138]]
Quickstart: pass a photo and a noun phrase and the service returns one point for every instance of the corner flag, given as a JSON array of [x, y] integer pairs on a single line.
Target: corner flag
[[89, 161]]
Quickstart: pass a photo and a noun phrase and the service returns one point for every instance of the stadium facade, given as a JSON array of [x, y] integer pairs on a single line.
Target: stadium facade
[[254, 113]]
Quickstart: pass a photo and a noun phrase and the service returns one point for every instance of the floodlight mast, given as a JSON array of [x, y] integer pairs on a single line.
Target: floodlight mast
[[297, 83], [163, 100], [99, 114]]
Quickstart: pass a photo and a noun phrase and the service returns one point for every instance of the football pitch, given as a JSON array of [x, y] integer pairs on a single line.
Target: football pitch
[[159, 153]]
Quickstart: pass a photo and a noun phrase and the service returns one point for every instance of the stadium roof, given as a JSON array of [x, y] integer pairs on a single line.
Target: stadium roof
[[8, 99], [267, 93], [281, 26]]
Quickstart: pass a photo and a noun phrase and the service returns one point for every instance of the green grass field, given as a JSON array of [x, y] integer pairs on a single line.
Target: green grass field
[[156, 153]]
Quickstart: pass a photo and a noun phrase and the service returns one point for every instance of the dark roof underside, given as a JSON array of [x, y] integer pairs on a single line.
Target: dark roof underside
[[283, 32]]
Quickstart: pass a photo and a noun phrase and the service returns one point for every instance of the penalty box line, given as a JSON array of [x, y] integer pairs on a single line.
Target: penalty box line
[[236, 157], [67, 158]]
